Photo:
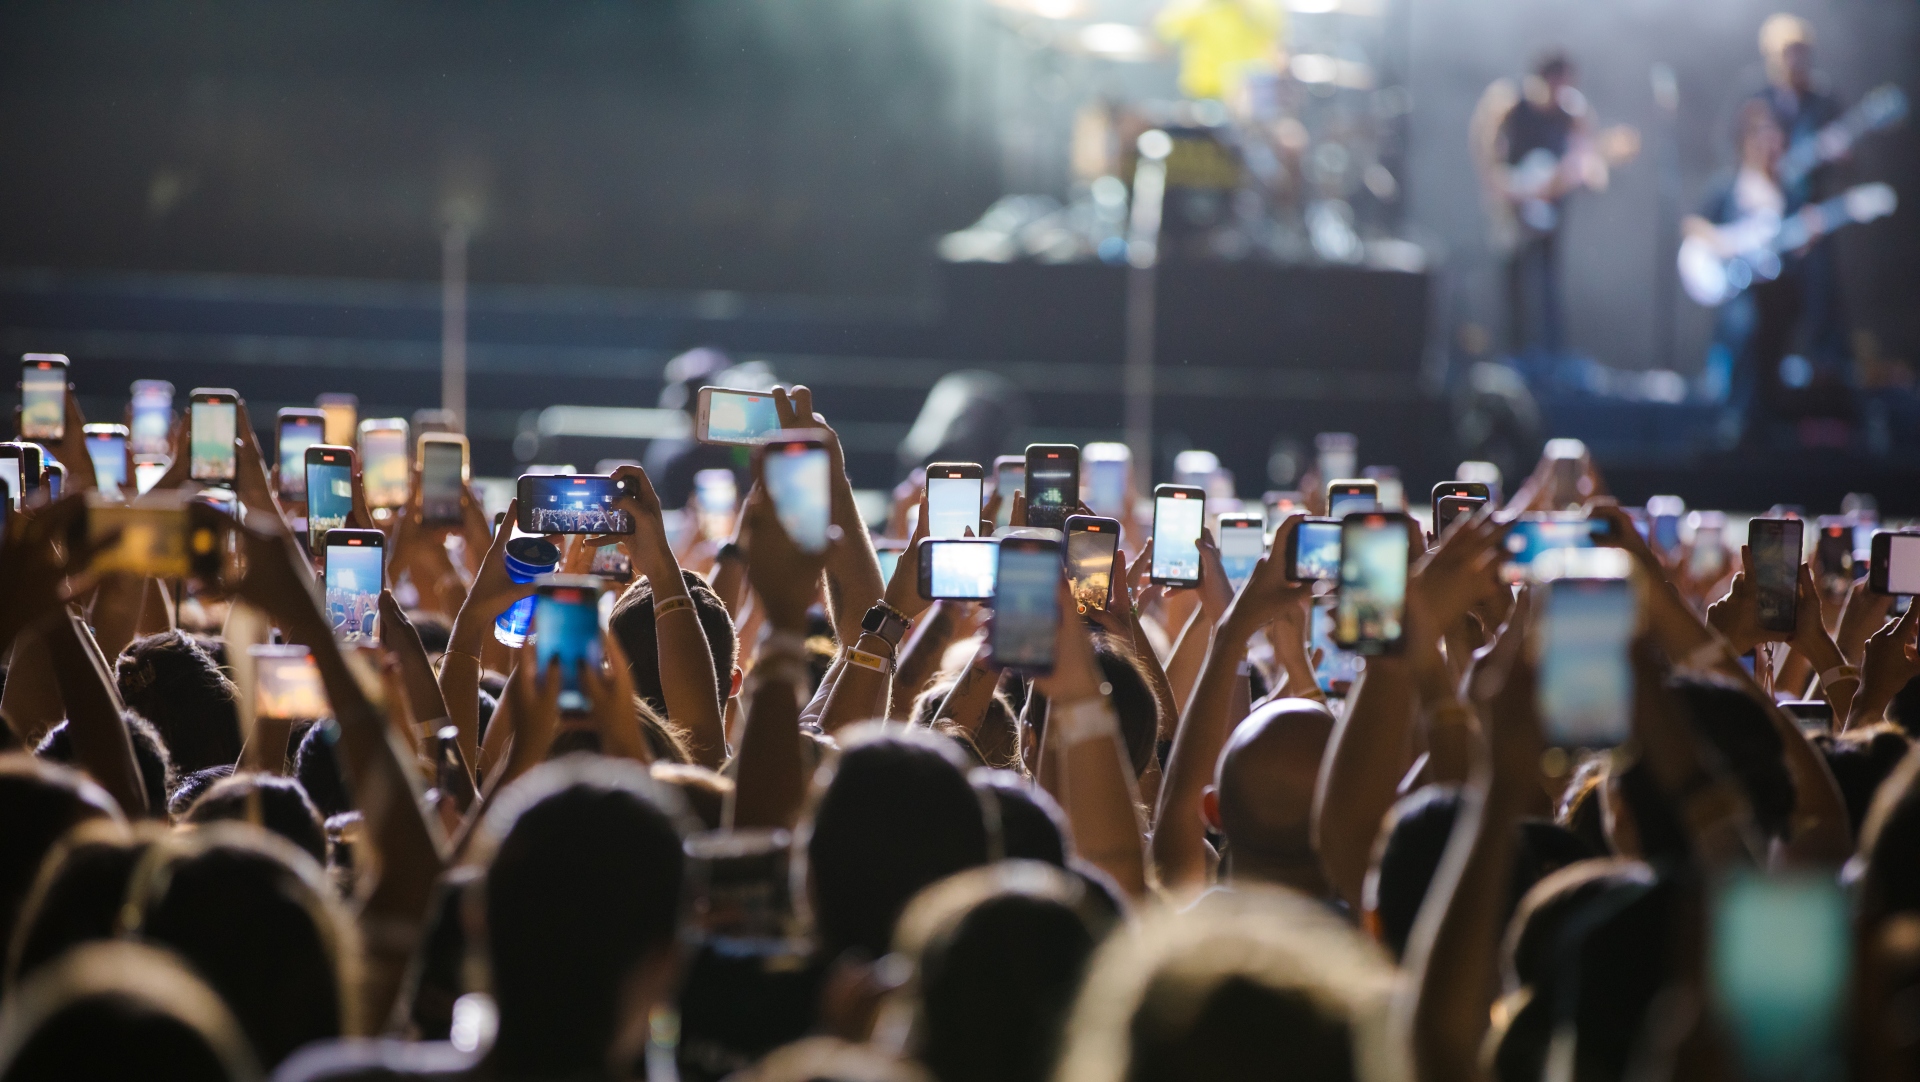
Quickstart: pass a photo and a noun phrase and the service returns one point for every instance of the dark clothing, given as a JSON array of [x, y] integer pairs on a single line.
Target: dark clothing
[[1534, 304], [1528, 128], [1800, 117]]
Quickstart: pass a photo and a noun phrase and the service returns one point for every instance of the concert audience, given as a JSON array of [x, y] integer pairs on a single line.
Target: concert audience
[[1176, 855]]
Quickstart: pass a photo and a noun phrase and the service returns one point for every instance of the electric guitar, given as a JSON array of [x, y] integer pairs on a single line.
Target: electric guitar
[[1881, 108], [1714, 271]]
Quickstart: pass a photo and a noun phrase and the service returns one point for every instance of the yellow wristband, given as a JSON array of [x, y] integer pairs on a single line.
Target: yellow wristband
[[868, 661], [663, 606]]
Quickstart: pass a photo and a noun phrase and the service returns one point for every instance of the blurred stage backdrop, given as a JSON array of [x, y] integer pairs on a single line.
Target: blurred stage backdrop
[[268, 196]]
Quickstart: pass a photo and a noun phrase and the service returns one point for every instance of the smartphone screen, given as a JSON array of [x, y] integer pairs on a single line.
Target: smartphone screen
[[1316, 550], [953, 501], [1091, 543], [287, 684], [566, 627], [1053, 484], [737, 416], [1810, 716], [611, 562], [1534, 534], [1346, 497], [959, 569], [152, 426], [1448, 508], [10, 473], [717, 496], [329, 492], [1776, 547], [43, 397], [148, 473], [353, 582], [797, 480], [1781, 961], [1178, 514], [443, 479], [298, 431], [1009, 476], [385, 463], [1243, 539], [1373, 582], [107, 446], [1833, 554], [1902, 562], [1585, 677], [571, 503], [1339, 667], [210, 439], [1026, 611], [343, 417], [153, 536], [1106, 483]]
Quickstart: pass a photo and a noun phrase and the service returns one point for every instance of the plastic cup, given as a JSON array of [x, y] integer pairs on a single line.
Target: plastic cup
[[528, 558]]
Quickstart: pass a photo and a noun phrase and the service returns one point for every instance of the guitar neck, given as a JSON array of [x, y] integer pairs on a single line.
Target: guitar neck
[[1794, 232]]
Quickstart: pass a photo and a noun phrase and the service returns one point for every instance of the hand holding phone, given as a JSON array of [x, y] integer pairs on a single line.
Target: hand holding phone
[[798, 475], [571, 503], [355, 575], [1774, 546], [738, 418], [1375, 551], [1179, 515], [43, 396], [953, 497]]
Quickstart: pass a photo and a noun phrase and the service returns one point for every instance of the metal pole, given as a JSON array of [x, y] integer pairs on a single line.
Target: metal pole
[[1143, 257], [453, 324]]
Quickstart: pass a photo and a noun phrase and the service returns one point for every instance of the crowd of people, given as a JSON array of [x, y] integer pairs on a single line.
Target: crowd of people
[[806, 829]]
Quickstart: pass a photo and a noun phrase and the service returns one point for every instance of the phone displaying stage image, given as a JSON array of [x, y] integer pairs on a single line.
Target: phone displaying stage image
[[1775, 545], [1313, 552], [566, 629], [798, 481], [385, 462], [1053, 483], [1179, 513], [353, 579], [1026, 610], [43, 396], [443, 477], [107, 446], [735, 417], [1243, 540], [213, 421], [1371, 608], [1585, 675], [953, 498], [287, 684], [329, 491], [571, 503], [958, 569], [1091, 543], [152, 427], [298, 429]]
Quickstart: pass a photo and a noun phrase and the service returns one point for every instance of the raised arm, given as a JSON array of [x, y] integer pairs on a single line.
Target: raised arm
[[1190, 652], [101, 744], [866, 675], [853, 569], [493, 591]]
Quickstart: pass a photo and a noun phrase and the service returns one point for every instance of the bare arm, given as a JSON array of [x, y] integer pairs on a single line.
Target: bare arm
[[853, 569], [1370, 750], [101, 744], [920, 657], [493, 592]]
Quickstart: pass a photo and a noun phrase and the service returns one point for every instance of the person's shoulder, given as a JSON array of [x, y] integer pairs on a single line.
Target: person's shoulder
[[376, 1061]]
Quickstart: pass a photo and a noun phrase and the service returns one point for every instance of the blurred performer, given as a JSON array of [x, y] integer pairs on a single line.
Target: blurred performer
[[1534, 147], [1220, 39]]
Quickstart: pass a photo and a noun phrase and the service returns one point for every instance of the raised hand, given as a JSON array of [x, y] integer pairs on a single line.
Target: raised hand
[[43, 566], [1736, 616], [784, 576]]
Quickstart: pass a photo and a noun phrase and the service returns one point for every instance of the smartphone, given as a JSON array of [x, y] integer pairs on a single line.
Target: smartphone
[[1313, 550], [1833, 554], [1348, 496], [1179, 513], [566, 628], [1053, 484], [26, 471], [342, 412], [1584, 683], [53, 478], [152, 427], [735, 417], [1091, 543], [1567, 483], [716, 496], [1893, 565], [1776, 545], [1811, 716], [107, 446], [1336, 454], [798, 481], [961, 569], [213, 420], [953, 498], [443, 477], [1370, 611], [43, 396], [1026, 607], [1243, 540], [1448, 508], [386, 460], [1538, 532], [1105, 471], [1780, 962], [571, 503], [152, 532], [1470, 490], [354, 574], [287, 684], [329, 482], [1392, 495], [450, 774], [295, 430], [1281, 504], [147, 472], [612, 562], [1485, 473], [1663, 522], [1009, 476], [1338, 667], [1707, 559]]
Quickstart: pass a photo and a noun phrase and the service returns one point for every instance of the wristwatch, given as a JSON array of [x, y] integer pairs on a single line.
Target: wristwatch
[[885, 623]]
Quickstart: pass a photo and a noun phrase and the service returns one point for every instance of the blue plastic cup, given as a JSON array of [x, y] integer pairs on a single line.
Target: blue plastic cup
[[528, 558]]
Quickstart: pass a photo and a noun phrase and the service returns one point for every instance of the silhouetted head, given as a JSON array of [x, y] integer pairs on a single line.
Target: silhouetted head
[[175, 684], [1131, 692], [1262, 793], [149, 754], [265, 800], [39, 802], [632, 624], [1032, 826], [78, 894]]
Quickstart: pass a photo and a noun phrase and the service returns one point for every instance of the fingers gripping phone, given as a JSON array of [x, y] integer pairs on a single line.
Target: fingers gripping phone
[[43, 396], [579, 503], [295, 430], [443, 477], [1243, 539], [1091, 543], [1026, 610], [953, 498], [1179, 514], [1349, 496], [566, 627], [1775, 545], [329, 484], [1053, 484], [1589, 612], [1370, 613], [1313, 550], [386, 461], [961, 569], [734, 417], [212, 423], [798, 478], [355, 561]]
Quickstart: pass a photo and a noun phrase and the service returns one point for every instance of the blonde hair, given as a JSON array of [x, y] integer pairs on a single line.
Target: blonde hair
[[1779, 31]]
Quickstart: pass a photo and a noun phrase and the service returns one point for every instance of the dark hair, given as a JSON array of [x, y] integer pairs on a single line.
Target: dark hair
[[255, 919], [1904, 710], [705, 791], [996, 742], [149, 754], [440, 977], [1032, 826], [38, 803], [892, 814], [317, 765], [1553, 64], [1860, 760], [77, 895], [195, 785], [632, 624], [173, 682], [1241, 1029], [584, 885], [1131, 692], [1742, 731], [434, 631], [265, 800]]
